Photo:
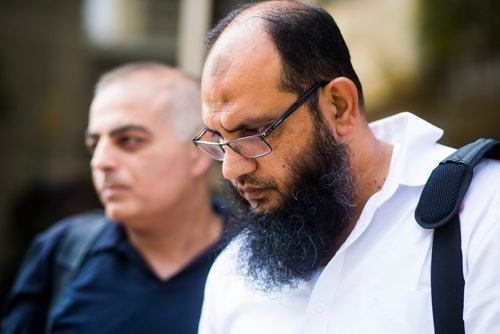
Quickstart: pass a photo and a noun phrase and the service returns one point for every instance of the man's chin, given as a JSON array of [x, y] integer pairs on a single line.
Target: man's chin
[[264, 205], [117, 212]]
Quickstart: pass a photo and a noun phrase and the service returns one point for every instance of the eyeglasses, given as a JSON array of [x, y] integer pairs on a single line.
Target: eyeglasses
[[251, 146]]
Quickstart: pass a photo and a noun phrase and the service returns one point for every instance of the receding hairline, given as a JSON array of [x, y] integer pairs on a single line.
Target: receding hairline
[[328, 58], [253, 11], [260, 7], [130, 70], [256, 13]]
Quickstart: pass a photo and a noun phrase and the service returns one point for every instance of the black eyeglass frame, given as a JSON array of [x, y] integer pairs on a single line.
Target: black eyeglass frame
[[262, 136]]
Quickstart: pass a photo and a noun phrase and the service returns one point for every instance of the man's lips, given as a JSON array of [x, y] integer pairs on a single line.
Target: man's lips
[[251, 193], [110, 191]]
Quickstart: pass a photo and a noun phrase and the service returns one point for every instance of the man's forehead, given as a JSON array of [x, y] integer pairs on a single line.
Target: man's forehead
[[115, 107], [217, 115], [239, 40], [129, 95], [248, 108], [241, 76], [245, 67], [230, 120], [244, 35]]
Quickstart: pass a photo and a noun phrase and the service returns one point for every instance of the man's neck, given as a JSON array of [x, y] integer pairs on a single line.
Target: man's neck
[[371, 167], [370, 170], [170, 246]]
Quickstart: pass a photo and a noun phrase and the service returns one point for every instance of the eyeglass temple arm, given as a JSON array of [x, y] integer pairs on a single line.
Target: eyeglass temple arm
[[294, 106]]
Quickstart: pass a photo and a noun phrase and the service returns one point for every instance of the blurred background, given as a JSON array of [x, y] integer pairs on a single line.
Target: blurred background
[[437, 58]]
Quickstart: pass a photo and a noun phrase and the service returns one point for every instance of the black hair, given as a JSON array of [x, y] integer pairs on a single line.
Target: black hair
[[308, 40]]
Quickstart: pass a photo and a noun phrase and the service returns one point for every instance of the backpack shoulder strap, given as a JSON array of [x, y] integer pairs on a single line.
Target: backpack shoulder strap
[[438, 209], [80, 236], [448, 183]]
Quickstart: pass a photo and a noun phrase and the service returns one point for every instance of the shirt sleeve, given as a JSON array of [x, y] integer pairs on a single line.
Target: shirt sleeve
[[25, 309], [480, 223]]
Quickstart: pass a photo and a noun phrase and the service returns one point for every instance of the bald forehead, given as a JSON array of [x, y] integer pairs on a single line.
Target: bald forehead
[[244, 34], [241, 78], [244, 48], [241, 37]]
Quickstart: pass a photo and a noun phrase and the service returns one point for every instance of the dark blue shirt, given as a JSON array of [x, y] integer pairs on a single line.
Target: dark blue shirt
[[115, 290]]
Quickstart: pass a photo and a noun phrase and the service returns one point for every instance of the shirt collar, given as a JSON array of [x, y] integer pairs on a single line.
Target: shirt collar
[[111, 237], [114, 236], [416, 149]]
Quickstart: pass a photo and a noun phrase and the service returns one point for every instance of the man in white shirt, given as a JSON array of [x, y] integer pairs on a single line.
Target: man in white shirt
[[327, 241]]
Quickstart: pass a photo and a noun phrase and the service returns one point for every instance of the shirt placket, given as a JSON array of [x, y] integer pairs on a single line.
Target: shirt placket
[[322, 298]]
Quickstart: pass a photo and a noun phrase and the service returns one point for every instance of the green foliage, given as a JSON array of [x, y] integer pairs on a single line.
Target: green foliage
[[458, 31]]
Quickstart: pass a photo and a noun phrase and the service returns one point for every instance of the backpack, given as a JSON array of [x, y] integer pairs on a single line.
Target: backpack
[[70, 254], [438, 209]]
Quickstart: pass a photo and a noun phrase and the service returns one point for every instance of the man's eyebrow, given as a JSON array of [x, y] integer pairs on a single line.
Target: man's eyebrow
[[245, 125], [120, 130], [127, 128]]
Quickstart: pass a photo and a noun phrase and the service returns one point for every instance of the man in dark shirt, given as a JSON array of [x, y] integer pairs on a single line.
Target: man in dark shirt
[[145, 271]]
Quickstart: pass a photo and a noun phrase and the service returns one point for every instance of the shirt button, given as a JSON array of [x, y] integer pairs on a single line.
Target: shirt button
[[320, 308]]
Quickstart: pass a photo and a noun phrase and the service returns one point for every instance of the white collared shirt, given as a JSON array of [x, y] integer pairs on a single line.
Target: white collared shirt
[[379, 280]]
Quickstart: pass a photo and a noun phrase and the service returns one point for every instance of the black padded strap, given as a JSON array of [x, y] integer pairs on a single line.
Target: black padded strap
[[438, 209], [447, 279], [81, 235], [446, 187]]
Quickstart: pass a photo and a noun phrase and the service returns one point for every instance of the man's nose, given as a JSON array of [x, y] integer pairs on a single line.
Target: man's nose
[[235, 165], [103, 157]]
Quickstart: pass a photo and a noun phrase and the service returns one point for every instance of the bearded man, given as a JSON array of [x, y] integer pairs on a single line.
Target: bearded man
[[324, 214]]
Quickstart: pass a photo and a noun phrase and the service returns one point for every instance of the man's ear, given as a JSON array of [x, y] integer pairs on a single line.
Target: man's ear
[[341, 107], [200, 161]]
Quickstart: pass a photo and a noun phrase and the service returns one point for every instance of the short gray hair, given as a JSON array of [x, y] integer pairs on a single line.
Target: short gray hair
[[181, 90]]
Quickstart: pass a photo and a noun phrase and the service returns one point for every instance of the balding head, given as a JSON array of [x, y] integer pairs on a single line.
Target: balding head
[[176, 92], [307, 39]]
